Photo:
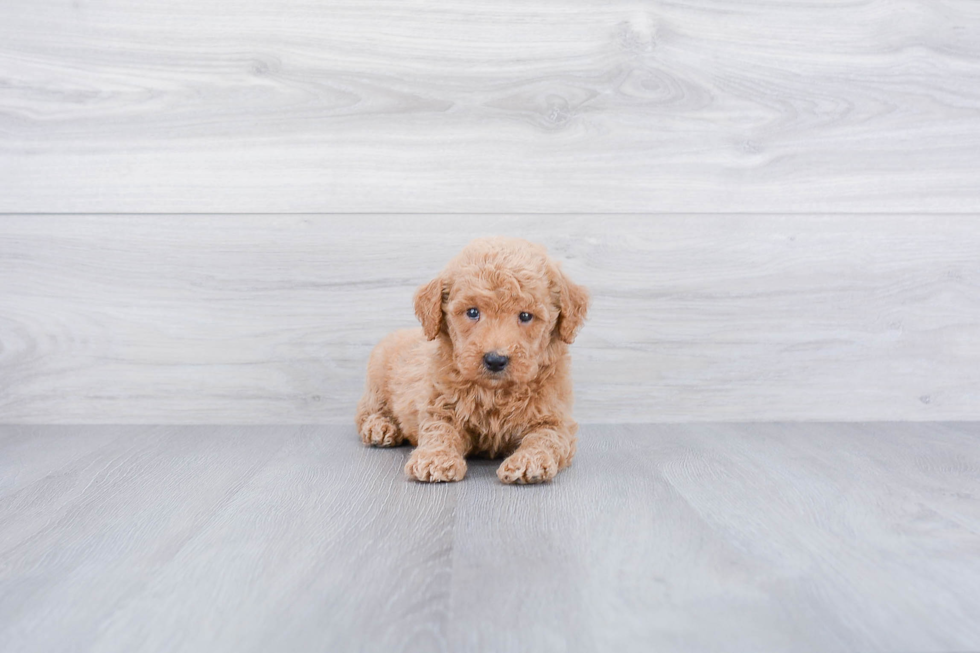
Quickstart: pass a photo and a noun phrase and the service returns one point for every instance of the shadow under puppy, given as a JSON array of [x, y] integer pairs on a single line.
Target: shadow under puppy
[[488, 372]]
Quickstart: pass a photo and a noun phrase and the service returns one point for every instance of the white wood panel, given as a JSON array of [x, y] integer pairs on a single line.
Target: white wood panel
[[521, 105], [266, 319], [708, 537]]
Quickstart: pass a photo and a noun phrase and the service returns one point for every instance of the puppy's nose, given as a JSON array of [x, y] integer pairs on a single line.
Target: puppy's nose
[[495, 362]]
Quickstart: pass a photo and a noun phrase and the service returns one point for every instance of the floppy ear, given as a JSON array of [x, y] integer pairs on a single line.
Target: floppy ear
[[428, 307], [573, 306]]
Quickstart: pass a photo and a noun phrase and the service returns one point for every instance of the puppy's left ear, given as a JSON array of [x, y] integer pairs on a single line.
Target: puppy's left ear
[[428, 308], [573, 306]]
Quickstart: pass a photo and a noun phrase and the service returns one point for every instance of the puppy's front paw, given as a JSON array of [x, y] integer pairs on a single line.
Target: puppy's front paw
[[379, 431], [435, 466], [531, 466]]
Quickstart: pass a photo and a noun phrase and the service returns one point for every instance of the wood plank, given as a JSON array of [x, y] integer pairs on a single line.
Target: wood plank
[[270, 319], [252, 534], [523, 106], [23, 462], [762, 537], [681, 537]]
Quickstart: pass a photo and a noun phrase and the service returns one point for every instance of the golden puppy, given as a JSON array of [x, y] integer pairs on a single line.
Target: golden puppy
[[488, 372]]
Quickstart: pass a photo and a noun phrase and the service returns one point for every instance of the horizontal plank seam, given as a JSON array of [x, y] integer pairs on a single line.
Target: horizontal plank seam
[[505, 213]]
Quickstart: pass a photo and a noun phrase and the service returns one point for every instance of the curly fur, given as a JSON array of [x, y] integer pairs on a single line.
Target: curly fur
[[430, 388]]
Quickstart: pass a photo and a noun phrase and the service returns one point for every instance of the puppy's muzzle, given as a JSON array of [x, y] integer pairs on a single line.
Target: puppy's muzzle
[[494, 362]]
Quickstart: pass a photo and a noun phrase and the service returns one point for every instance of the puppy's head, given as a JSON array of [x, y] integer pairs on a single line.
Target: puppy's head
[[501, 303]]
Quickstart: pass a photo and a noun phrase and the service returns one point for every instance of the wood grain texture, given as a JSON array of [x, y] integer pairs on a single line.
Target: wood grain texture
[[99, 547], [707, 537], [522, 106], [266, 319]]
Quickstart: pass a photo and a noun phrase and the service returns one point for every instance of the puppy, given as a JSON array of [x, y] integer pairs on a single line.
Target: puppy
[[488, 372]]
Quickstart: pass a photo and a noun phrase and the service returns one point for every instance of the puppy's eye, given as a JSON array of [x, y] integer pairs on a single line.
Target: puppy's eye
[[473, 313], [525, 317]]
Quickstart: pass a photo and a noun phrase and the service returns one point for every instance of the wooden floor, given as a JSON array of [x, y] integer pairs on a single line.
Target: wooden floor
[[748, 537]]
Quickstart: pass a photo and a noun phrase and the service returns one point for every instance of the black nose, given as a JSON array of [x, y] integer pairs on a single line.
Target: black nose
[[495, 362]]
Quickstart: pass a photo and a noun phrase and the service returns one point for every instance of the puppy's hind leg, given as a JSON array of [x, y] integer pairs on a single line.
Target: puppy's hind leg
[[376, 426]]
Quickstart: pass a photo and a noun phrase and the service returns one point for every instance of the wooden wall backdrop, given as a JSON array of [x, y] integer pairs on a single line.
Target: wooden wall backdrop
[[504, 106], [270, 318], [210, 211]]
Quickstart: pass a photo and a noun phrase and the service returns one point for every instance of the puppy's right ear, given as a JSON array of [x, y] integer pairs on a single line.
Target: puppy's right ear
[[428, 307]]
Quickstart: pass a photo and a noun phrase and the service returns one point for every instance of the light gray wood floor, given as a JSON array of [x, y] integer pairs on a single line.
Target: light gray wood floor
[[752, 537]]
